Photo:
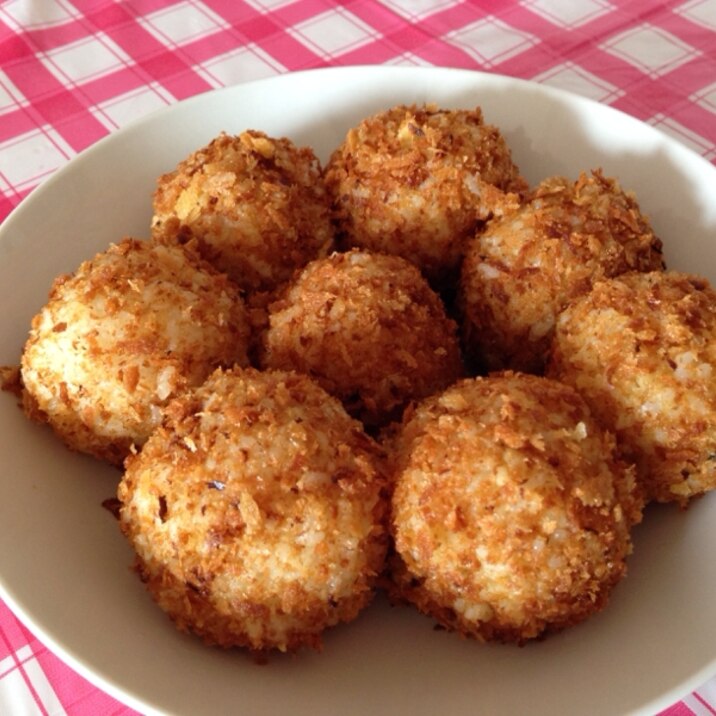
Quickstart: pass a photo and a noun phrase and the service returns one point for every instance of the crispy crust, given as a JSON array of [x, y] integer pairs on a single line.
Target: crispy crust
[[256, 205], [416, 181], [526, 267], [124, 334], [257, 511], [511, 514], [641, 349], [369, 329]]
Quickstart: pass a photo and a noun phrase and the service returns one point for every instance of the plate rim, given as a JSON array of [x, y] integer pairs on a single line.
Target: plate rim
[[37, 194]]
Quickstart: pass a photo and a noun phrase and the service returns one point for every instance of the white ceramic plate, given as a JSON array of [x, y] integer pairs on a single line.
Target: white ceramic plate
[[64, 565]]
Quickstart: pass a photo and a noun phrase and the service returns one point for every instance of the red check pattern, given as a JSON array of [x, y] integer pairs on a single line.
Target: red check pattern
[[71, 71]]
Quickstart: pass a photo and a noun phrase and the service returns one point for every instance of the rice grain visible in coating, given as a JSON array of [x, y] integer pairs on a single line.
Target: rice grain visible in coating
[[511, 514], [526, 267], [369, 329], [257, 511], [641, 349], [416, 182], [124, 334], [256, 205]]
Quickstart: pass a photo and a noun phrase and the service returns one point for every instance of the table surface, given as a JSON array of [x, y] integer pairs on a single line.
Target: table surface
[[72, 71]]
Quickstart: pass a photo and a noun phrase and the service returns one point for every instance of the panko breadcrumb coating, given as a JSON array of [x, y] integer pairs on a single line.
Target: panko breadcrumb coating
[[257, 511], [641, 349], [417, 181], [511, 513], [123, 335], [526, 267], [369, 329], [256, 205]]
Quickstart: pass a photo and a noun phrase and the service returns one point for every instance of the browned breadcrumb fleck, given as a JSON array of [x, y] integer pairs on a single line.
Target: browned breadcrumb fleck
[[11, 379], [112, 505]]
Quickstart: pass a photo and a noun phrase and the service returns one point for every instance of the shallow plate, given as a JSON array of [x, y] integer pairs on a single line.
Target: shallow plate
[[64, 565]]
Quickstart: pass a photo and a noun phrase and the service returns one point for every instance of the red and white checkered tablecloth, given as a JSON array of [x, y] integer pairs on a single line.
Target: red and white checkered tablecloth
[[71, 71]]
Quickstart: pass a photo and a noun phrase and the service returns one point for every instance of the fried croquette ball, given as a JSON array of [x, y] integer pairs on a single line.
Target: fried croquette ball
[[369, 329], [127, 332], [526, 267], [511, 513], [257, 511], [641, 349], [256, 205], [417, 181]]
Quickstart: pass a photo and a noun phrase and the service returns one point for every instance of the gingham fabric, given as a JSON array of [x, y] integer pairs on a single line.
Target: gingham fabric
[[71, 71]]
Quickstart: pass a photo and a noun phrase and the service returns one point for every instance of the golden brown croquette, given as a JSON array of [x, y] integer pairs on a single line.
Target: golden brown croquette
[[369, 329], [256, 205], [526, 267], [128, 331], [267, 504], [257, 511], [641, 349], [417, 181], [511, 514]]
